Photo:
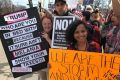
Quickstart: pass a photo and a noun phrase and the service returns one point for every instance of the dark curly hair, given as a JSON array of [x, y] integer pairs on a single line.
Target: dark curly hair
[[71, 29], [86, 14]]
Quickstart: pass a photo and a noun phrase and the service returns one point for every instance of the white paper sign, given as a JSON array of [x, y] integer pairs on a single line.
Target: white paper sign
[[22, 38], [24, 44], [25, 51], [16, 17], [20, 24], [20, 32], [29, 57]]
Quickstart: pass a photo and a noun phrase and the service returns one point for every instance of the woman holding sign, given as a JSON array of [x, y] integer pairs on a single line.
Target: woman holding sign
[[47, 28], [78, 38], [47, 35]]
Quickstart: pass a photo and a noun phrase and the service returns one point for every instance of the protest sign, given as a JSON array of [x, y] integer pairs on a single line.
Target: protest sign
[[78, 65], [88, 2], [25, 49], [59, 30]]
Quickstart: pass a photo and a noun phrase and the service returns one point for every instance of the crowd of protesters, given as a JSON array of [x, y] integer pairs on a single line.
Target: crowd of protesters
[[91, 30], [103, 32]]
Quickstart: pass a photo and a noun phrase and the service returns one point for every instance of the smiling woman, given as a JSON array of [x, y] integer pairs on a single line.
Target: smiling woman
[[47, 28], [77, 37]]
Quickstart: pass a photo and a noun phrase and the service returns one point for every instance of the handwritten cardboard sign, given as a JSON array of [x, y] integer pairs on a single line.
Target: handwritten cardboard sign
[[78, 65]]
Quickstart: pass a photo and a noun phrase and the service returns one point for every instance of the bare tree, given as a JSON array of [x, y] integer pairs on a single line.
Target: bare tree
[[19, 7], [5, 6]]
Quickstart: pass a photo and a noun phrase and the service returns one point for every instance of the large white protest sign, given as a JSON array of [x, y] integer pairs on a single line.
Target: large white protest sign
[[23, 37], [59, 30], [20, 32], [16, 16], [24, 44], [19, 24], [25, 51], [29, 57], [33, 62]]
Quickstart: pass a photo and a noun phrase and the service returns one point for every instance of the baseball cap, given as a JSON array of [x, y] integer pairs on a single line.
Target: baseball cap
[[63, 1]]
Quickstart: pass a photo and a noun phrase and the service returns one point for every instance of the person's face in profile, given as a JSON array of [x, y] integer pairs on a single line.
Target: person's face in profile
[[47, 25], [80, 33], [61, 8]]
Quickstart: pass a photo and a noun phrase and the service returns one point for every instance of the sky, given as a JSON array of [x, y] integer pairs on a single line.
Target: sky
[[71, 3], [24, 2]]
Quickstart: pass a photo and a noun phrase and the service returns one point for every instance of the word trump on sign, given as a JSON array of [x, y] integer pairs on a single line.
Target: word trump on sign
[[24, 47], [77, 65], [16, 17]]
